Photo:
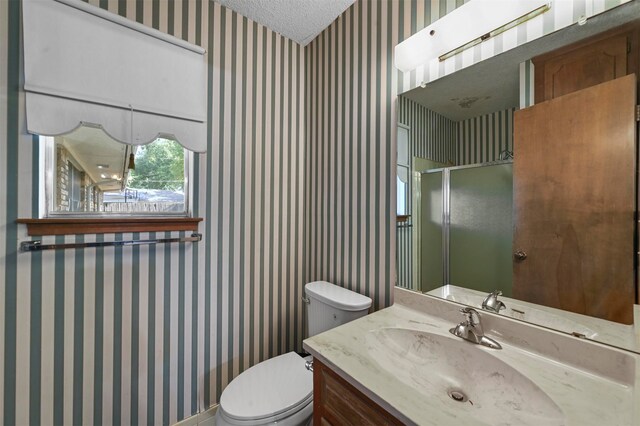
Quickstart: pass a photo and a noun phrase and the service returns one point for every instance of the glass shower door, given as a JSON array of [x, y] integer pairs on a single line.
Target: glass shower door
[[481, 227], [431, 228]]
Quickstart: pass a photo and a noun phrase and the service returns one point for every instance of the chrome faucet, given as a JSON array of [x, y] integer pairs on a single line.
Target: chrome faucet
[[471, 330], [491, 302]]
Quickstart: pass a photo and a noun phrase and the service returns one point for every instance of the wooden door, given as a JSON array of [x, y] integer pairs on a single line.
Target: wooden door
[[574, 201]]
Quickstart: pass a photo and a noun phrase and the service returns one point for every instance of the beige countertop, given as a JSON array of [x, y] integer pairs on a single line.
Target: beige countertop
[[590, 383]]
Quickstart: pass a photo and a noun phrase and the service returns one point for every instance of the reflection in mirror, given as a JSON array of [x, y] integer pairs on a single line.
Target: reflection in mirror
[[403, 190], [619, 335], [480, 226], [403, 171], [90, 173], [466, 228], [465, 159]]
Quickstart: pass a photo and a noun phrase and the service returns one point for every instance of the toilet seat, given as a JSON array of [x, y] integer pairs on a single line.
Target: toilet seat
[[270, 391]]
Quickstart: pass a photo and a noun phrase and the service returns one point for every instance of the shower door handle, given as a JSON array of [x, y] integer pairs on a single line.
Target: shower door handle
[[519, 255]]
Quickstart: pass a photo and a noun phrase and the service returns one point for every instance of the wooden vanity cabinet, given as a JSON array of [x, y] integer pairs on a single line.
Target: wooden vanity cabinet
[[337, 402]]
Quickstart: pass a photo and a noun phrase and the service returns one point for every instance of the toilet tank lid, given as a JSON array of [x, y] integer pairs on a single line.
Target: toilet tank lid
[[338, 297]]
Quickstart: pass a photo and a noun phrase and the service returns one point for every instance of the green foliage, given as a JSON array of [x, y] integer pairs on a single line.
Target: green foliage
[[159, 165]]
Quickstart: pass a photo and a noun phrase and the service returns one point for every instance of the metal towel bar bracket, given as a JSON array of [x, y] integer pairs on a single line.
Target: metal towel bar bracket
[[36, 245]]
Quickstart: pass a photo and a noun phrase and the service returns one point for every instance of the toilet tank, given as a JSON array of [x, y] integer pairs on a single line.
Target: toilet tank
[[330, 306]]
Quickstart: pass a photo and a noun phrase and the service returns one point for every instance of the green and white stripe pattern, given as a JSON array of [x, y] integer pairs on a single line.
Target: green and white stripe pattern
[[297, 184], [482, 139], [351, 143], [526, 71], [404, 255], [432, 136], [351, 152], [152, 334]]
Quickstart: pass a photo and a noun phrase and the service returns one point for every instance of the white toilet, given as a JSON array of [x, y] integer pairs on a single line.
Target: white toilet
[[280, 390]]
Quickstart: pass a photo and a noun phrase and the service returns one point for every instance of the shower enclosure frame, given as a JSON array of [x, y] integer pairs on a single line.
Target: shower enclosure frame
[[446, 209]]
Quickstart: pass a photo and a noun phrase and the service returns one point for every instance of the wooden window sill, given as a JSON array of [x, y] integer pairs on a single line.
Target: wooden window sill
[[73, 226], [403, 218]]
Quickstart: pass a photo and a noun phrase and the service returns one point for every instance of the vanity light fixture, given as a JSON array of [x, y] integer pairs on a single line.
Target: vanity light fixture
[[522, 19], [464, 27]]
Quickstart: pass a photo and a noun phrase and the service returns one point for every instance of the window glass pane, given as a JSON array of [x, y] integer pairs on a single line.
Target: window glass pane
[[431, 224], [75, 183], [401, 208], [403, 191], [157, 182], [92, 174], [403, 146]]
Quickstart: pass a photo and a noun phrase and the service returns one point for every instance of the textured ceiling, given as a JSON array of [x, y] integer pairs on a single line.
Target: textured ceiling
[[299, 20]]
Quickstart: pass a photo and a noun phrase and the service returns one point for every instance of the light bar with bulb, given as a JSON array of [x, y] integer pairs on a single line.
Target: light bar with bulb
[[464, 27], [497, 31]]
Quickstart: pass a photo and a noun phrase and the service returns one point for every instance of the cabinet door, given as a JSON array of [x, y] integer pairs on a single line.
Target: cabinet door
[[574, 201], [336, 402], [597, 60]]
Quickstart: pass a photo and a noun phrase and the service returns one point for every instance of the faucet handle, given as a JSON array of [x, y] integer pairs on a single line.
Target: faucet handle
[[491, 302], [468, 313], [472, 331]]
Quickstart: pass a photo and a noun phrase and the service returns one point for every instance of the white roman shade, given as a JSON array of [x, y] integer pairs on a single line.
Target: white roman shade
[[84, 65]]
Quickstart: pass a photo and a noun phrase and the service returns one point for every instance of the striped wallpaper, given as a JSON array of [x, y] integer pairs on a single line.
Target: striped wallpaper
[[482, 139], [475, 140], [351, 157], [562, 14], [404, 255], [526, 72], [351, 142], [431, 135], [297, 185], [152, 334]]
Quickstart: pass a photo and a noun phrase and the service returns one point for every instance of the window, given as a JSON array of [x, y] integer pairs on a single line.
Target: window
[[90, 174], [402, 191], [403, 206], [75, 185]]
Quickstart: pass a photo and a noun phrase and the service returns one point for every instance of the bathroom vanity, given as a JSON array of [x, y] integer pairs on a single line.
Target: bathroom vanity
[[336, 401], [401, 365]]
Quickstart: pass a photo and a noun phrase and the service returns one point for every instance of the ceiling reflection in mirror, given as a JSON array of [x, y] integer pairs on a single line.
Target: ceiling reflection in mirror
[[458, 242]]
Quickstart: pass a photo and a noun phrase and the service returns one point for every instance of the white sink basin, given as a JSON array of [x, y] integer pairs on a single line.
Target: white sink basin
[[463, 376]]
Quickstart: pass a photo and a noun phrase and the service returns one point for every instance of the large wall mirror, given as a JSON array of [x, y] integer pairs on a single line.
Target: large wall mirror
[[523, 182]]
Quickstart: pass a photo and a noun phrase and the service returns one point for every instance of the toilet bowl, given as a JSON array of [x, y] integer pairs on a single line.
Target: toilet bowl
[[280, 390]]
